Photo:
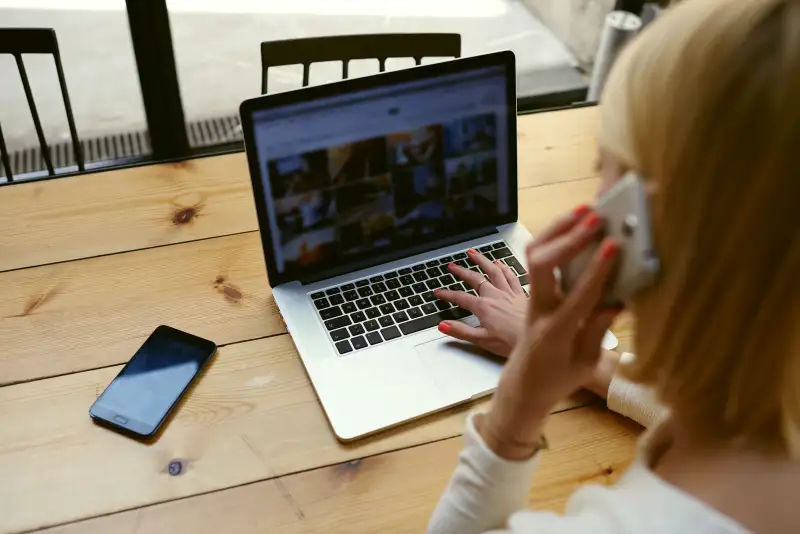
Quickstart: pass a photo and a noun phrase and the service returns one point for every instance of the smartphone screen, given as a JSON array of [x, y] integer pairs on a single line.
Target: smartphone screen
[[148, 387]]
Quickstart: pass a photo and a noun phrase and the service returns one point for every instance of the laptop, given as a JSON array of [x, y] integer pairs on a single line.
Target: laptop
[[366, 189]]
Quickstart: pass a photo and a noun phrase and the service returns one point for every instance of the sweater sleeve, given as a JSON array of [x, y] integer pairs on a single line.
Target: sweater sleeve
[[483, 491], [634, 401]]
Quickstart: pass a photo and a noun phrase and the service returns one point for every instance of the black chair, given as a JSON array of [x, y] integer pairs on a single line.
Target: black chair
[[346, 48], [18, 41]]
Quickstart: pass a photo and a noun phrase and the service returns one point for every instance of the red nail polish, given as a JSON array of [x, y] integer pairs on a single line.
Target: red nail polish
[[581, 210], [436, 291], [609, 249], [445, 328], [451, 265], [472, 251], [591, 222]]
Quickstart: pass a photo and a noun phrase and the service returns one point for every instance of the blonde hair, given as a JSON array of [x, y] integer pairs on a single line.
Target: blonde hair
[[705, 105]]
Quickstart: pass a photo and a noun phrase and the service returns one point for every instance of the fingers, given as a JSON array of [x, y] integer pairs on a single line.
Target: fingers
[[492, 270], [585, 298], [511, 278], [472, 278], [459, 298], [543, 258], [464, 332]]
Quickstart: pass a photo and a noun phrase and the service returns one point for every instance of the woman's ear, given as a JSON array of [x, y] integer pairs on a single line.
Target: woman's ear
[[611, 170]]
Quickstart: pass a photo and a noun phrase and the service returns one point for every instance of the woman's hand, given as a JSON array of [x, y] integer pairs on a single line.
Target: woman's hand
[[500, 305], [560, 347]]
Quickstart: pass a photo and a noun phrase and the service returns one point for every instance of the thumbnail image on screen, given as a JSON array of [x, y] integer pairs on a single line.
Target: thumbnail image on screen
[[395, 190]]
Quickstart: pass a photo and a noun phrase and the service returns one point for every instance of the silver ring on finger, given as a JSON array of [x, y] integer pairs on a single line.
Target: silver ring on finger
[[478, 289]]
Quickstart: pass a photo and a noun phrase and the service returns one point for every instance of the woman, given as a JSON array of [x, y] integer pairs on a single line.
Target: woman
[[704, 106]]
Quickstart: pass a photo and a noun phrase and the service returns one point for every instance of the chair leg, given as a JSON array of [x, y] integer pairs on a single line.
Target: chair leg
[[73, 132], [4, 157], [35, 114]]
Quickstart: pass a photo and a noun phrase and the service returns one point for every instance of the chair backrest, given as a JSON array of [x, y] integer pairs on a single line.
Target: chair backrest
[[346, 48], [18, 41]]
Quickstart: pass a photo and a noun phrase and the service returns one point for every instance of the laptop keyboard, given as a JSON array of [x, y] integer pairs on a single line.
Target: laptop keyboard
[[399, 303]]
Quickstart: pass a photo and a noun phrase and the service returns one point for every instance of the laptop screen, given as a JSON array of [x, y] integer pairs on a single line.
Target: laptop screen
[[351, 176]]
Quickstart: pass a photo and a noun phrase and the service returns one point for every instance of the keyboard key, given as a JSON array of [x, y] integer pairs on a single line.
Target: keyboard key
[[330, 313], [371, 325], [523, 280], [446, 260], [338, 335], [336, 300], [359, 342], [401, 305], [428, 296], [454, 287], [344, 347], [414, 313], [377, 299], [386, 321], [444, 270], [390, 333], [321, 304], [350, 295], [419, 287], [498, 245], [333, 291], [485, 248], [387, 308], [357, 330], [365, 291], [429, 308], [420, 276], [363, 304], [391, 295], [462, 263], [372, 313], [362, 283], [513, 262], [400, 316], [392, 274], [392, 284], [430, 321], [407, 280], [405, 270], [489, 256], [442, 305], [420, 267], [380, 287], [433, 284], [358, 317], [337, 322], [349, 307], [460, 256], [374, 338], [376, 279], [433, 272], [348, 287], [432, 263], [447, 280], [416, 300], [317, 295], [501, 253], [405, 291]]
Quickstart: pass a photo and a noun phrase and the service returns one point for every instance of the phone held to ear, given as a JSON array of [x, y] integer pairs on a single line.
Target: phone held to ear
[[146, 391], [625, 209]]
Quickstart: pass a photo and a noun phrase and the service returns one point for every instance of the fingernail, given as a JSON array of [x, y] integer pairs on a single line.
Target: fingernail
[[436, 291], [498, 262], [609, 249], [591, 222], [581, 210], [444, 328], [472, 251], [451, 265]]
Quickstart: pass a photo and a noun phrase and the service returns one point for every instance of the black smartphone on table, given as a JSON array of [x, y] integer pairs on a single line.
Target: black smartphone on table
[[148, 388]]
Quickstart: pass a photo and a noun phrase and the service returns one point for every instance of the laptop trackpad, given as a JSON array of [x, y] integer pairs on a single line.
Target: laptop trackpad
[[460, 369]]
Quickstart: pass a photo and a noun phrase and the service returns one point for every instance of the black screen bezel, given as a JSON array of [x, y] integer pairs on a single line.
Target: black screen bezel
[[505, 59], [105, 416]]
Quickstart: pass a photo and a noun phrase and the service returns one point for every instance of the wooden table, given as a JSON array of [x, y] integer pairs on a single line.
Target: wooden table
[[89, 265]]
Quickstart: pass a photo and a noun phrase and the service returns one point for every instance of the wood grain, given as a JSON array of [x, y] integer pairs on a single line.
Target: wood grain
[[90, 313], [394, 492], [252, 416], [129, 209]]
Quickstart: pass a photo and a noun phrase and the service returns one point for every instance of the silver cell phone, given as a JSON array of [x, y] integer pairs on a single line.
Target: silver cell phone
[[625, 211]]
